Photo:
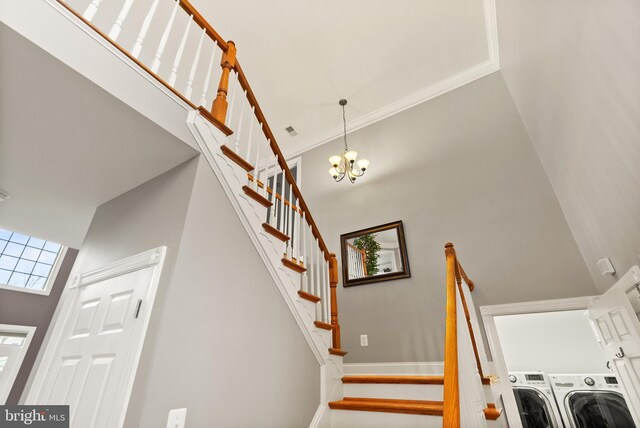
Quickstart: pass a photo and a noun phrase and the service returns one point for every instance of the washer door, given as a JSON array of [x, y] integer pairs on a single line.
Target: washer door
[[598, 409], [534, 407]]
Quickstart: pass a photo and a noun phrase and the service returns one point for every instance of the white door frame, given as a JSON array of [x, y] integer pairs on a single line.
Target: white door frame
[[29, 331], [154, 257], [489, 312]]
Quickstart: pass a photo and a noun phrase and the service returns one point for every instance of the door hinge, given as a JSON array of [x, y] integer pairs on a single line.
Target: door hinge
[[138, 306]]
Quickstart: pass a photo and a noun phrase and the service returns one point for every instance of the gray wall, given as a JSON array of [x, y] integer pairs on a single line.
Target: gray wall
[[459, 168], [21, 308], [227, 346], [573, 70], [220, 335]]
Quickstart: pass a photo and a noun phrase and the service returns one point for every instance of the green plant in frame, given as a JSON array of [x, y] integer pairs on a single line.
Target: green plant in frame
[[371, 248]]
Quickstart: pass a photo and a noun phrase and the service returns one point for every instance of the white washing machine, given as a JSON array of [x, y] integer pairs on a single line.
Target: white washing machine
[[591, 401], [535, 399]]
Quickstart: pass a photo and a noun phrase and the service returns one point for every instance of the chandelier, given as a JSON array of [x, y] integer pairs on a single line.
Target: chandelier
[[346, 165]]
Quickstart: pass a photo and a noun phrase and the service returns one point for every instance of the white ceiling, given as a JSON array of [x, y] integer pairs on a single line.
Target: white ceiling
[[384, 56], [67, 146]]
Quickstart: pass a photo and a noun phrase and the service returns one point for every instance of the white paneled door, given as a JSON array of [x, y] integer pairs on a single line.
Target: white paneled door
[[96, 343], [618, 330]]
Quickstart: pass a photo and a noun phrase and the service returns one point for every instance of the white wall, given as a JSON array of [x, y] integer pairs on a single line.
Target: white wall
[[551, 342], [573, 69]]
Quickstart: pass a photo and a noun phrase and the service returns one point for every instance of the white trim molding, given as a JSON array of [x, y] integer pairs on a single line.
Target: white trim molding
[[570, 304], [13, 370], [629, 280], [430, 92]]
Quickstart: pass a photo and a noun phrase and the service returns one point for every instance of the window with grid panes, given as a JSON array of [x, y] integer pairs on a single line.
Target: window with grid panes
[[26, 261]]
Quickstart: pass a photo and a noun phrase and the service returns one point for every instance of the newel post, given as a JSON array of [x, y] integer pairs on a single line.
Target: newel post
[[333, 283], [228, 62]]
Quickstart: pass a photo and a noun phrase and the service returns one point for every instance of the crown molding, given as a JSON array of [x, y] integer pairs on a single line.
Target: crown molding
[[491, 65]]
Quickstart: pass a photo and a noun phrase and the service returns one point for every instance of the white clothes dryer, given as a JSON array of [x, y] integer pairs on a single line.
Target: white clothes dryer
[[535, 400], [591, 401]]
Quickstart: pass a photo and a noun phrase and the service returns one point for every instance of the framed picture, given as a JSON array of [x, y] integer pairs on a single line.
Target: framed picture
[[374, 254]]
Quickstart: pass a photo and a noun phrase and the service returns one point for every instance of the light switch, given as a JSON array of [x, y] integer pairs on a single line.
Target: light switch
[[177, 418], [364, 340]]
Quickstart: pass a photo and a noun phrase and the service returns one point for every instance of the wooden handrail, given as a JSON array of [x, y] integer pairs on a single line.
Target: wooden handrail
[[202, 23], [467, 316], [461, 273], [253, 102], [451, 411]]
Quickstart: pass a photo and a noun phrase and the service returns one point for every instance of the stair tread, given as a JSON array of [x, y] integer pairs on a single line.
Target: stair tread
[[416, 407], [308, 296], [228, 152], [275, 232], [256, 196], [294, 265], [401, 379], [336, 351], [323, 325]]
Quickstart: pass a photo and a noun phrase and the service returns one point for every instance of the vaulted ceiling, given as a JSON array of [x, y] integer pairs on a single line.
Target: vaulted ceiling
[[383, 56]]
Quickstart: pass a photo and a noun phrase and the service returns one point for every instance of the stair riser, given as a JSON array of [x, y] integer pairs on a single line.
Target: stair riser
[[357, 419], [394, 391]]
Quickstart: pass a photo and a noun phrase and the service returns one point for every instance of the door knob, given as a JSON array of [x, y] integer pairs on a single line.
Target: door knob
[[620, 354]]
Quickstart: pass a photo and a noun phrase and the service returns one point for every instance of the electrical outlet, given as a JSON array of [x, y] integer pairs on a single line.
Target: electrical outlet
[[177, 418], [364, 340]]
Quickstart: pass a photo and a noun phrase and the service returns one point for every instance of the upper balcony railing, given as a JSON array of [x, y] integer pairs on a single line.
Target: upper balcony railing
[[176, 45]]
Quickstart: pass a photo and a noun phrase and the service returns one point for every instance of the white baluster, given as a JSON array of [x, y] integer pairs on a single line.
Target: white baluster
[[285, 215], [274, 220], [298, 241], [137, 46], [252, 114], [163, 40], [291, 223], [91, 10], [257, 164], [266, 177], [239, 132], [322, 279], [117, 26], [303, 243], [278, 212], [327, 291], [176, 62], [207, 79], [192, 73], [316, 287], [309, 260]]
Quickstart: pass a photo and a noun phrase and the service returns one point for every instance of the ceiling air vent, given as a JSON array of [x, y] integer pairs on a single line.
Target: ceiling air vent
[[291, 131]]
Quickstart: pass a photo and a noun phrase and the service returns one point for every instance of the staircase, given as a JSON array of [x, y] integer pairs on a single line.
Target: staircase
[[407, 400], [226, 122]]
